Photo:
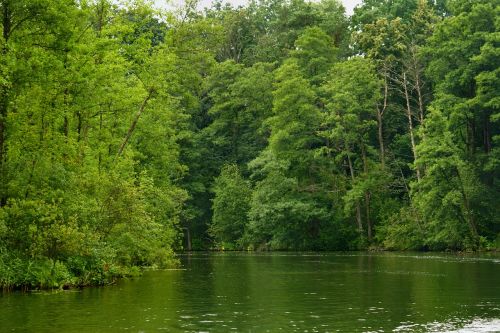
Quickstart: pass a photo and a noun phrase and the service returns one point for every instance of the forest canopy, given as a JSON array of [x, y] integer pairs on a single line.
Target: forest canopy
[[128, 133]]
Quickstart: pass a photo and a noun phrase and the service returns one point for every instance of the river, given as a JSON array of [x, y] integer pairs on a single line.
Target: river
[[278, 292]]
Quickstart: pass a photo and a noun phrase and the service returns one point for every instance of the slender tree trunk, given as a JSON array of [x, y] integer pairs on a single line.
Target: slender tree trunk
[[3, 117], [100, 138], [405, 183], [469, 215], [381, 138], [369, 226], [134, 122], [358, 208], [380, 115], [42, 128], [100, 18], [421, 107], [487, 134], [188, 239], [6, 20], [367, 195], [66, 107], [410, 125], [79, 125], [419, 84], [234, 143], [489, 178], [471, 134]]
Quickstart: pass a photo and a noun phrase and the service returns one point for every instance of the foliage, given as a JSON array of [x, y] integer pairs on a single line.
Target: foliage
[[230, 205], [128, 133]]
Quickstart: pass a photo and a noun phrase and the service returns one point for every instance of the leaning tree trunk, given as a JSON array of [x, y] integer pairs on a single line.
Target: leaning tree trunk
[[134, 122]]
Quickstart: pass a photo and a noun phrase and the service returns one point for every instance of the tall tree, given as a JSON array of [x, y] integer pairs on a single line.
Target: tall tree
[[285, 212], [352, 93]]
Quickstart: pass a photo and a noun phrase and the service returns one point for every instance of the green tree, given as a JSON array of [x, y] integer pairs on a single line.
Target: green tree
[[352, 92], [449, 191], [464, 71], [85, 185], [315, 53], [286, 209], [230, 205]]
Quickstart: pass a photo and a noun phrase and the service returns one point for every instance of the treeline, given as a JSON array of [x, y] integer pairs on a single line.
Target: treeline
[[379, 130], [127, 133]]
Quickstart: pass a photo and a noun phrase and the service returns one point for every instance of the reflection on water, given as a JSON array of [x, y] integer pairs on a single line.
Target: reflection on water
[[456, 325], [278, 292]]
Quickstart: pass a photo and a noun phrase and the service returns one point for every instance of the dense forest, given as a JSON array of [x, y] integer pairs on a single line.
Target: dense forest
[[128, 133]]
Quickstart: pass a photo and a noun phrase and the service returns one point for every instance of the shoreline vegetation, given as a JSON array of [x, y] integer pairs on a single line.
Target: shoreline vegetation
[[129, 134]]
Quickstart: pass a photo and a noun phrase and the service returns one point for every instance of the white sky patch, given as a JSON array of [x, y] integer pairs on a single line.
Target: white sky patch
[[348, 4]]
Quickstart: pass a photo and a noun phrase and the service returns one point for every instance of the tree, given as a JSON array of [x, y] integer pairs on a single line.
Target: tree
[[84, 187], [352, 94], [384, 42], [463, 81], [295, 117], [285, 210], [315, 53], [455, 73], [230, 205], [449, 191]]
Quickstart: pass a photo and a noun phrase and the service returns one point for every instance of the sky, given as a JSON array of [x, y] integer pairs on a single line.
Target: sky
[[348, 4]]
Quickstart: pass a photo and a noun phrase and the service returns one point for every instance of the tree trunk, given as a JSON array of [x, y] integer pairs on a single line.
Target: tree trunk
[[487, 134], [6, 21], [100, 18], [358, 208], [367, 195], [410, 125], [188, 239], [79, 125], [100, 138], [469, 216], [421, 107], [380, 115], [380, 138], [419, 84], [3, 116], [368, 220], [134, 122], [471, 133]]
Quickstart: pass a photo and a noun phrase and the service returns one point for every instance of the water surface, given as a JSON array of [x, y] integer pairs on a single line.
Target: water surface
[[278, 292]]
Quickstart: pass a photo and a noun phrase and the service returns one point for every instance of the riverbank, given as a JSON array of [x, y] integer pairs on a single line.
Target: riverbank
[[47, 274]]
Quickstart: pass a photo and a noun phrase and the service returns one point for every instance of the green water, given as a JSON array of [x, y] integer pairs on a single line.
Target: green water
[[278, 292]]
